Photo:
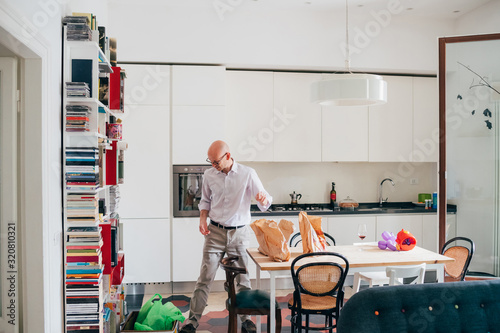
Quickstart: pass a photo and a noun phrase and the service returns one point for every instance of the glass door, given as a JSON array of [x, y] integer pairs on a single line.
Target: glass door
[[9, 229], [469, 158], [190, 191]]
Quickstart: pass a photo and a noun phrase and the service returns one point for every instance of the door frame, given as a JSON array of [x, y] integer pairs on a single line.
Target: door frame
[[38, 310], [442, 122], [10, 272]]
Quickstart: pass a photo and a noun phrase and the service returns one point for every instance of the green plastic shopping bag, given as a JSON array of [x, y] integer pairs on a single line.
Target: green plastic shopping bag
[[156, 316]]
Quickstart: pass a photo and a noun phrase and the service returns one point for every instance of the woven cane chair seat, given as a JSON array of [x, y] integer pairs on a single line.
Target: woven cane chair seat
[[316, 303]]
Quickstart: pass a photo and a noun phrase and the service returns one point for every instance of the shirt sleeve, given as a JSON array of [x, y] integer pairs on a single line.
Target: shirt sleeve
[[256, 187], [206, 195]]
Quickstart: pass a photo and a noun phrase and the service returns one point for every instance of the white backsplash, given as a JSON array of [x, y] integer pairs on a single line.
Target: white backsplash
[[360, 180]]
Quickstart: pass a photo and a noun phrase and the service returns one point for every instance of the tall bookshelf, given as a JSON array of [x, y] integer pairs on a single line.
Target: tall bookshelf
[[93, 262]]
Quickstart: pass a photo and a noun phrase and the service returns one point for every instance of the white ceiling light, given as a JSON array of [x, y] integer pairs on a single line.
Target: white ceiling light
[[350, 89]]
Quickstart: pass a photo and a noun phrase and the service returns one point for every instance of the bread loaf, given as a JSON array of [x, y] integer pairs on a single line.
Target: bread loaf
[[348, 204]]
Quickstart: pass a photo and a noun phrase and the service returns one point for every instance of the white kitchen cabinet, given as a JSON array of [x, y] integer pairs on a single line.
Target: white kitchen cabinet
[[194, 128], [146, 85], [198, 85], [147, 162], [430, 232], [187, 244], [395, 223], [297, 122], [146, 244], [249, 115], [391, 124], [345, 228], [344, 134], [425, 120]]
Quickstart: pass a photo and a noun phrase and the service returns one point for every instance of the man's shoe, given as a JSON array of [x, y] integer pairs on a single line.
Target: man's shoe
[[248, 327], [189, 328]]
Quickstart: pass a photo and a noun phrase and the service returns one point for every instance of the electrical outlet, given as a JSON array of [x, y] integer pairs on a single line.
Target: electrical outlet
[[414, 181]]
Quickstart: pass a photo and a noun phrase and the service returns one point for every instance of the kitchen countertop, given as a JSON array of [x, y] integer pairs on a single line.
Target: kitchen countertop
[[371, 208]]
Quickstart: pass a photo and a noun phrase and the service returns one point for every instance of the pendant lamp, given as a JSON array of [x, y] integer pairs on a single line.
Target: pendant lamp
[[350, 89]]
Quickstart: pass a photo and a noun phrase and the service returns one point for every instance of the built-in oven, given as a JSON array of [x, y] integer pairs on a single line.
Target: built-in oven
[[187, 189]]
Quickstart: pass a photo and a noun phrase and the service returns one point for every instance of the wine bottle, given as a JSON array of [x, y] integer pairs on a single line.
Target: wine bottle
[[333, 196]]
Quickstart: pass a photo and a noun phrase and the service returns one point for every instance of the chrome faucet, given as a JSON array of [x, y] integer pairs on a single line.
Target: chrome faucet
[[381, 199]]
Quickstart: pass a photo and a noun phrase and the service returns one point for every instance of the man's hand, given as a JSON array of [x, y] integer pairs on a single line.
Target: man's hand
[[204, 227], [261, 197]]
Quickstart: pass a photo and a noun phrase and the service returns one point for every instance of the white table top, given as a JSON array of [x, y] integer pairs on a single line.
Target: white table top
[[368, 255]]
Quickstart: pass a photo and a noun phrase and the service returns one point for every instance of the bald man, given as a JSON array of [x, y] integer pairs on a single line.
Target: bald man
[[227, 192]]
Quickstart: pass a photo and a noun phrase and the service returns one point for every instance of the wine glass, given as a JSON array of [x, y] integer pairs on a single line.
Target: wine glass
[[362, 231]]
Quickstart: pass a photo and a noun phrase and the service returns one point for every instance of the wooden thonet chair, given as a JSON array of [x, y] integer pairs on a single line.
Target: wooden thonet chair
[[456, 270], [295, 240], [247, 302], [318, 289]]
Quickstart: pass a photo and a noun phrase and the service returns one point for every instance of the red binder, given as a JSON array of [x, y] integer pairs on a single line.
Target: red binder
[[112, 164], [106, 247], [116, 90]]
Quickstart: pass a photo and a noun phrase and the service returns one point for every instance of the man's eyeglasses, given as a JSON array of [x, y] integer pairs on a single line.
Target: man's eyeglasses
[[216, 162]]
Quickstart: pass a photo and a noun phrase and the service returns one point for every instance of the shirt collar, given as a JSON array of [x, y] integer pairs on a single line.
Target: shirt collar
[[234, 168]]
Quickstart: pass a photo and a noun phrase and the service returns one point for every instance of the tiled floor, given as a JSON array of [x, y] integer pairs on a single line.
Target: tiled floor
[[214, 318]]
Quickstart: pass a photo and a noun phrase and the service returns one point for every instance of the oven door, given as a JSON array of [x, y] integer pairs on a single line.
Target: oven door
[[187, 194]]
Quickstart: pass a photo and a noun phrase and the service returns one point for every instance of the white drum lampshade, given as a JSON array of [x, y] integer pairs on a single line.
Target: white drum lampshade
[[350, 90]]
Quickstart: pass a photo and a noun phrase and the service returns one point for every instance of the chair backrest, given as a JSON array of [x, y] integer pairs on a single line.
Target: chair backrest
[[394, 273], [227, 264], [296, 239], [319, 274], [461, 254]]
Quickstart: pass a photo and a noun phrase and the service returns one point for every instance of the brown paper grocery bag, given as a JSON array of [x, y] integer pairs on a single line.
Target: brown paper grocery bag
[[273, 238], [313, 239]]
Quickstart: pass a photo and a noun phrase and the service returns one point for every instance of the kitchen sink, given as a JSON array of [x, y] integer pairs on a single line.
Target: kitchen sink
[[369, 209]]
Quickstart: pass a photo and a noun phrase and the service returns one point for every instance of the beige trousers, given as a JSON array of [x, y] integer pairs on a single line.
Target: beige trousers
[[219, 242]]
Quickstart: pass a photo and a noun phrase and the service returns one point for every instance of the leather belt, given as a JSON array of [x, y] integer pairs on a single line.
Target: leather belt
[[218, 225]]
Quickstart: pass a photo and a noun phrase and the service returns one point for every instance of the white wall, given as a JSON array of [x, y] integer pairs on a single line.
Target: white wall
[[280, 39], [360, 181]]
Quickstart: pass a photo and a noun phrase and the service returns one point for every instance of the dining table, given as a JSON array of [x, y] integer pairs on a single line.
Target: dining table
[[362, 257]]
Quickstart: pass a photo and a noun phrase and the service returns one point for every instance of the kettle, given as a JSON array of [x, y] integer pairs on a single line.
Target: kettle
[[295, 197]]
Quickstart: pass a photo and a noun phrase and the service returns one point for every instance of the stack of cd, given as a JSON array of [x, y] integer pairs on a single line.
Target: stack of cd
[[77, 89], [78, 28], [77, 118]]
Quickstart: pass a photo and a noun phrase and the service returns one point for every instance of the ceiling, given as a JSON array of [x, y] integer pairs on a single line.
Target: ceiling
[[438, 9]]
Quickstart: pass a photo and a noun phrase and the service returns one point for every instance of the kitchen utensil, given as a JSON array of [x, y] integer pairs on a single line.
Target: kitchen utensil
[[295, 197]]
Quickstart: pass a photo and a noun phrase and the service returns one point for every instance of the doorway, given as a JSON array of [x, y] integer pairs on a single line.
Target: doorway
[[23, 209]]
